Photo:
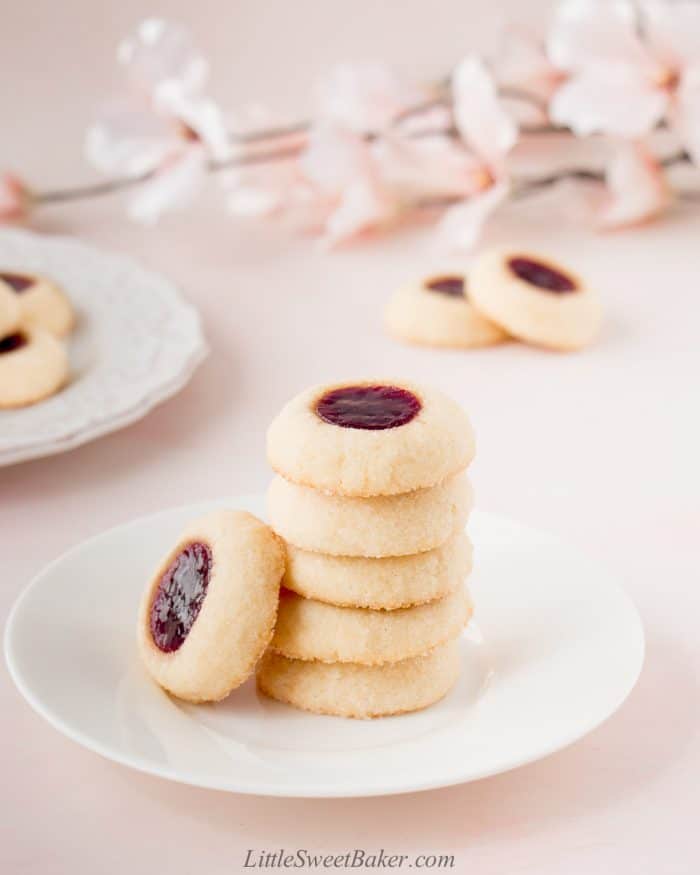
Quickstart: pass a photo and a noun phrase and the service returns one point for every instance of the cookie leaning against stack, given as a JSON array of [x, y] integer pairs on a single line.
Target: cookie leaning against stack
[[372, 499], [208, 612]]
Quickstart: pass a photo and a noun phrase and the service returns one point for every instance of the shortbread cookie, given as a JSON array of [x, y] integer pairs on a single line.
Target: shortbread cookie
[[370, 438], [535, 299], [33, 365], [349, 690], [307, 629], [9, 311], [394, 582], [209, 611], [385, 525], [436, 311], [41, 302]]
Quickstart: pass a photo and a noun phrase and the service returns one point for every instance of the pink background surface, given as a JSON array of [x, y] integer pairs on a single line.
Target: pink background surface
[[600, 447]]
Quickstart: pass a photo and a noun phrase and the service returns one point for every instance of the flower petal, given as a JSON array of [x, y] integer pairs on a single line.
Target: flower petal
[[200, 115], [479, 115], [584, 32], [345, 183], [673, 30], [254, 201], [608, 98], [334, 157], [172, 187], [461, 225], [363, 206], [427, 167], [128, 139], [264, 190], [364, 97], [637, 188], [161, 53]]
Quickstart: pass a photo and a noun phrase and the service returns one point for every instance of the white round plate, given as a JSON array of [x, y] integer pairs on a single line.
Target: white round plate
[[555, 649], [137, 342]]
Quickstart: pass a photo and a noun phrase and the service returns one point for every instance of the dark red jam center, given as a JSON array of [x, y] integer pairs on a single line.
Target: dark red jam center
[[368, 407], [17, 281], [447, 285], [541, 275], [180, 596], [13, 342]]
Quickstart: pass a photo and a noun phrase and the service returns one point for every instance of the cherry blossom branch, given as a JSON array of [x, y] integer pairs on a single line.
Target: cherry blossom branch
[[374, 152], [525, 187], [114, 186], [520, 188], [268, 156], [84, 192], [544, 128], [276, 133]]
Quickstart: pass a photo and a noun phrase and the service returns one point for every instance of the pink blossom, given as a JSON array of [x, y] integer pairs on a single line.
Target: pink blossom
[[14, 198], [429, 168], [160, 56], [461, 225], [482, 121], [328, 180], [637, 188], [488, 134], [343, 161], [165, 127], [631, 66], [347, 185], [365, 97]]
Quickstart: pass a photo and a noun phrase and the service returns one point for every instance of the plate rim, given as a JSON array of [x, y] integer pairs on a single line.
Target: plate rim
[[314, 791]]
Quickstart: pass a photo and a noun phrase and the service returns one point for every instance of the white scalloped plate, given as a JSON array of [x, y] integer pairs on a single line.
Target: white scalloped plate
[[137, 343], [555, 649]]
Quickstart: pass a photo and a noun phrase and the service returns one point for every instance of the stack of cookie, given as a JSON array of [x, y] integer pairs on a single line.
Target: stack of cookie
[[372, 499]]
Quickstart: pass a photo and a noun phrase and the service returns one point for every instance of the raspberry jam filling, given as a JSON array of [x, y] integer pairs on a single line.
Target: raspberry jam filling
[[179, 597], [541, 275], [368, 407], [13, 342], [18, 282], [453, 286]]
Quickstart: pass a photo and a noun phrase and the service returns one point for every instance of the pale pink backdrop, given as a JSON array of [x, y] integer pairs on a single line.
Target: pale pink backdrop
[[600, 447]]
